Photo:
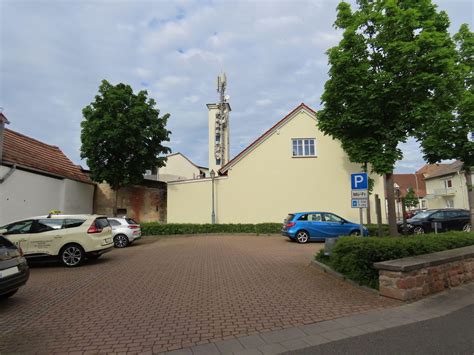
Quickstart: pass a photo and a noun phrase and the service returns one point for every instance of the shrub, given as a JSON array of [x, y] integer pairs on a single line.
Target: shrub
[[373, 229], [185, 228], [354, 257]]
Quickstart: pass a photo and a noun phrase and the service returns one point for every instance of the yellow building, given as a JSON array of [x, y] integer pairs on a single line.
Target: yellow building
[[179, 167], [292, 167]]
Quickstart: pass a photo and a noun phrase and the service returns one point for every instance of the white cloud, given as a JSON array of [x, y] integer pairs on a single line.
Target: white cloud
[[55, 53], [263, 102]]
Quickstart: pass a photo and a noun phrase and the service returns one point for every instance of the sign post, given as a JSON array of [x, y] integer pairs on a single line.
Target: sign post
[[360, 195]]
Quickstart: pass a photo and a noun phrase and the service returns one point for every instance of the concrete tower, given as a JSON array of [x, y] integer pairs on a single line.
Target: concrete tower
[[219, 148]]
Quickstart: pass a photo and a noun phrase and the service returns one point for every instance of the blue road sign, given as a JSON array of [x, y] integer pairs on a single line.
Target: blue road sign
[[359, 181]]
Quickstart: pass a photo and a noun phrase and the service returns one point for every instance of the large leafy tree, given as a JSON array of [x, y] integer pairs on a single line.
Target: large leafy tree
[[122, 136], [392, 70], [446, 136]]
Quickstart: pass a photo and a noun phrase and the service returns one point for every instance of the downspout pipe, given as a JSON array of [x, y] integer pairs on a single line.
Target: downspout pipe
[[8, 174]]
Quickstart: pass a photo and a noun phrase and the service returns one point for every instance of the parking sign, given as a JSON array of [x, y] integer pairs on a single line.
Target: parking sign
[[359, 181]]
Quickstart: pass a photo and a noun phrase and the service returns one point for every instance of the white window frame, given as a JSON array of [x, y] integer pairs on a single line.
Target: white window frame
[[303, 147]]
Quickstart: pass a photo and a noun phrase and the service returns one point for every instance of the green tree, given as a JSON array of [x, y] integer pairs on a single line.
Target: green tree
[[411, 200], [122, 136], [445, 136], [392, 70]]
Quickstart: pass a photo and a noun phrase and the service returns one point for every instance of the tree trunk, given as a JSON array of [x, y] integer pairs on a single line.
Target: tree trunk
[[470, 194], [392, 218], [115, 202]]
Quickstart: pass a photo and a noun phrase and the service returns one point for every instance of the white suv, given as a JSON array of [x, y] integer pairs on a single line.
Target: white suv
[[72, 238]]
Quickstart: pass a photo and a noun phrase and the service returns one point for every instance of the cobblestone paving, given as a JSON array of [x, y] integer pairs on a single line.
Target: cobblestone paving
[[169, 293]]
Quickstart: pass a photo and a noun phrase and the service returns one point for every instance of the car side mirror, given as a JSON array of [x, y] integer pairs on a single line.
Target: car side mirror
[[3, 231]]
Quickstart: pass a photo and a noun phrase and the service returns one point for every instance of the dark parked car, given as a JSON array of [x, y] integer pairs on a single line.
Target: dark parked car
[[446, 220], [14, 271]]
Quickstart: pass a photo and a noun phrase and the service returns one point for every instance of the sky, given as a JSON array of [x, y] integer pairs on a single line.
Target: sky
[[54, 54]]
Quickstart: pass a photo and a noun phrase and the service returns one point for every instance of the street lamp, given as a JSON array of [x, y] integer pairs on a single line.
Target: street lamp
[[213, 213]]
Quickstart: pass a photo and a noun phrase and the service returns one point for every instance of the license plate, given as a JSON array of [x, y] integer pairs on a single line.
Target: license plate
[[8, 272]]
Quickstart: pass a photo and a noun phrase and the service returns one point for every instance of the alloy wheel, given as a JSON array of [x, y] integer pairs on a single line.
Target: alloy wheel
[[418, 230], [121, 241], [72, 256], [467, 227], [302, 237]]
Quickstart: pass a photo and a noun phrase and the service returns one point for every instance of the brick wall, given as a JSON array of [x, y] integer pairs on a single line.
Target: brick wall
[[144, 203], [415, 284]]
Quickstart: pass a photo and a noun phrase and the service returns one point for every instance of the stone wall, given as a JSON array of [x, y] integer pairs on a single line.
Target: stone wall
[[144, 203], [412, 278]]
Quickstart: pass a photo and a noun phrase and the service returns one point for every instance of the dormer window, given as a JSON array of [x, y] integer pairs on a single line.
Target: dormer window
[[304, 147]]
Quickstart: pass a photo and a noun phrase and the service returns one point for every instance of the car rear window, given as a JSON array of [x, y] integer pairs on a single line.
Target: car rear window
[[73, 223], [130, 221], [289, 218], [101, 222]]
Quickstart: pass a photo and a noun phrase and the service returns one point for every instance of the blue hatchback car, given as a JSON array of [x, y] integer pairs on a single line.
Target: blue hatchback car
[[305, 226]]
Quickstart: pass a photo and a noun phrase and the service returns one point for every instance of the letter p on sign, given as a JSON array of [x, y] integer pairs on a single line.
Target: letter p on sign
[[359, 181]]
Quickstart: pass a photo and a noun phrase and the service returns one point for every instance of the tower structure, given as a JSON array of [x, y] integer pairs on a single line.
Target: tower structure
[[219, 149]]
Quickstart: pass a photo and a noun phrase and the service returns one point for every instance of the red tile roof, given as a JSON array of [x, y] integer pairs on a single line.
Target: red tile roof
[[244, 152], [405, 181], [37, 156], [438, 170]]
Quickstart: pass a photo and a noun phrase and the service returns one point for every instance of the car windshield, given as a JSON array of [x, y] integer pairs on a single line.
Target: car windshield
[[421, 215]]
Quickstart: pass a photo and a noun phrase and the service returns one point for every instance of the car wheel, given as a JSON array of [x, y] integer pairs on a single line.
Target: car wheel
[[9, 294], [418, 230], [121, 241], [302, 237], [467, 227], [72, 255], [354, 234]]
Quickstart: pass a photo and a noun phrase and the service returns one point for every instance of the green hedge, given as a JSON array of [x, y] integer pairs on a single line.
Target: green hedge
[[373, 229], [182, 228], [354, 257]]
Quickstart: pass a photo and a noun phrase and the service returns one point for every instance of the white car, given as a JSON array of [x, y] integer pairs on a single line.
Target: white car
[[125, 231], [71, 238]]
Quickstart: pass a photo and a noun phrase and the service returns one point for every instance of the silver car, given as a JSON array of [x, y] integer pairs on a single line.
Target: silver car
[[125, 231]]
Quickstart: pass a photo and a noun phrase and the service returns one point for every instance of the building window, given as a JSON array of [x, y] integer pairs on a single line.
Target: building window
[[450, 203], [448, 183], [304, 147]]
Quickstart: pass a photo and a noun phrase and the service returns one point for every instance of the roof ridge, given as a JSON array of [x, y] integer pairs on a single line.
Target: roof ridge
[[266, 133]]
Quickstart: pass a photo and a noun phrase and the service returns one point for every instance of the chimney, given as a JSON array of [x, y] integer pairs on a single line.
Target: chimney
[[3, 121]]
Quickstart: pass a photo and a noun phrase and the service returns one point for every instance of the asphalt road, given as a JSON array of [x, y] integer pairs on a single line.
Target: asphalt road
[[451, 334]]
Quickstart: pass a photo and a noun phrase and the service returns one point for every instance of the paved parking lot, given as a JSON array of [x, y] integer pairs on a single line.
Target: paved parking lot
[[169, 293]]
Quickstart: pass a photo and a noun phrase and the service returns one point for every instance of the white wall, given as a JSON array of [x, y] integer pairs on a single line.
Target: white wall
[[26, 194], [457, 193], [178, 168]]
